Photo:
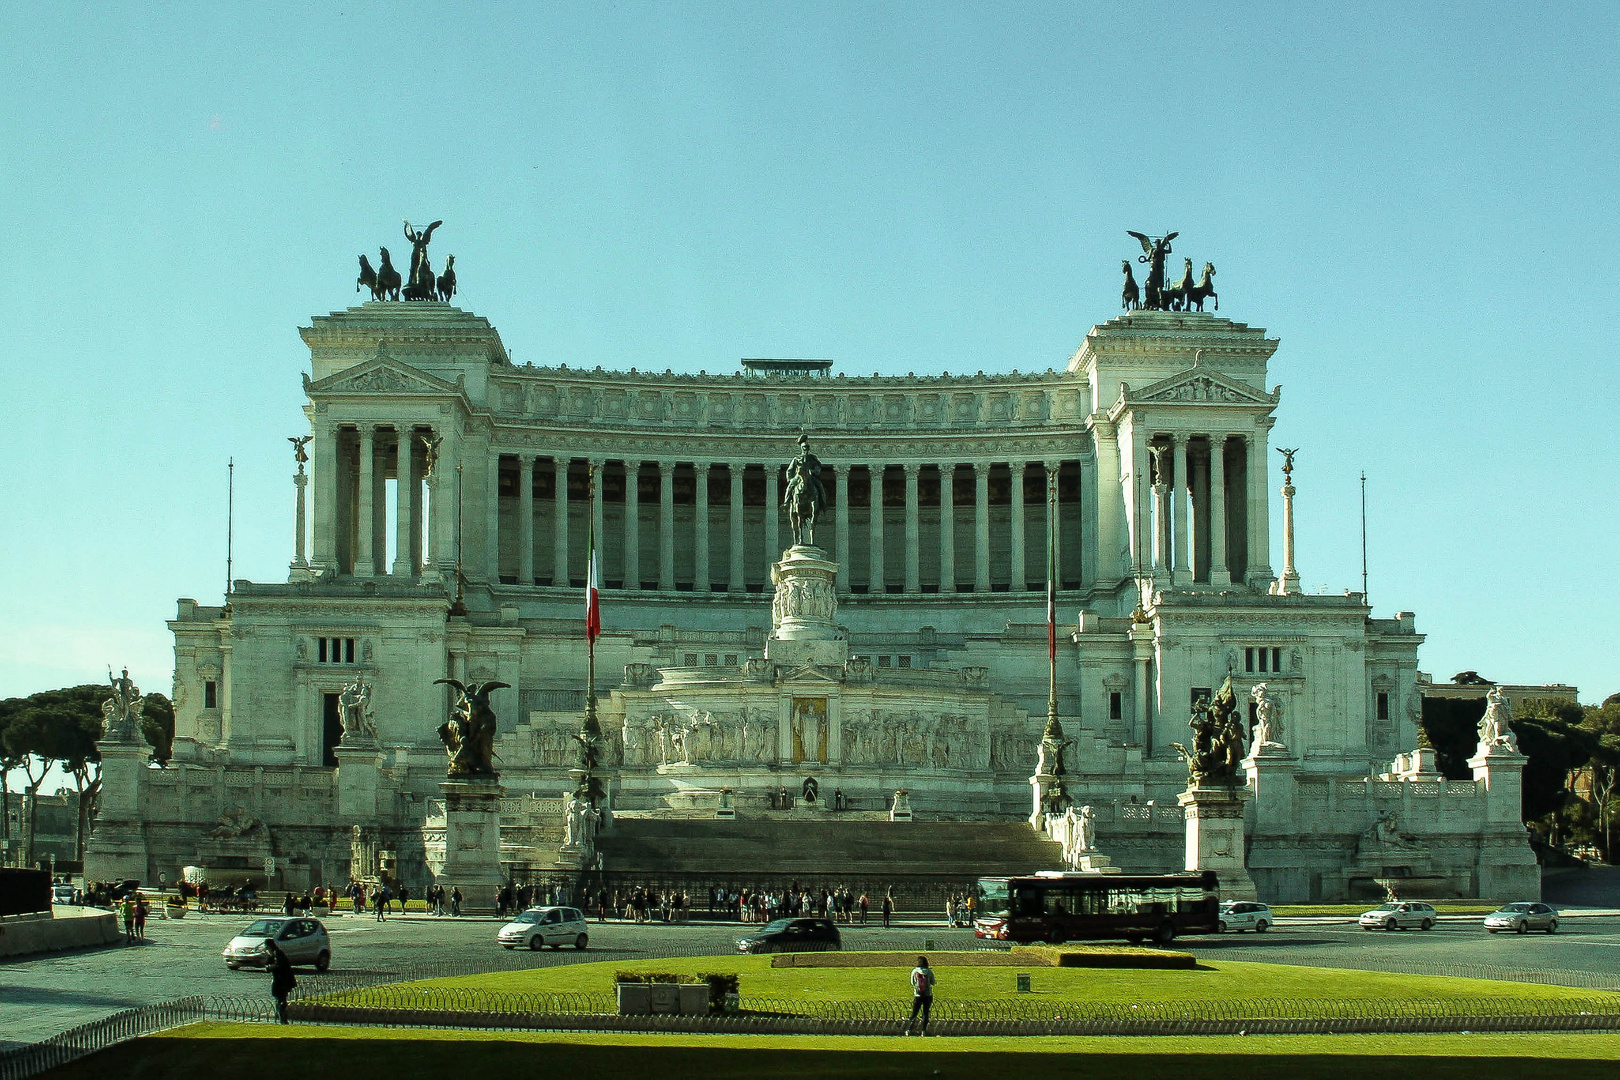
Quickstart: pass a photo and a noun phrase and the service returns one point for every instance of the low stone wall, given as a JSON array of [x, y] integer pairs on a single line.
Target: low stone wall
[[70, 928]]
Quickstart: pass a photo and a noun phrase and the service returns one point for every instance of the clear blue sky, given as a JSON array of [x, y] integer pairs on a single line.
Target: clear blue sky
[[1419, 200]]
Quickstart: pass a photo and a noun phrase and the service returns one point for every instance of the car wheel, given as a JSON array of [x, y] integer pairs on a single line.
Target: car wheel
[[1165, 934], [1491, 929], [323, 961], [1054, 937], [1220, 927], [1261, 927], [1428, 924], [509, 946], [1522, 928], [537, 943], [1389, 924], [581, 941], [234, 967], [1552, 927]]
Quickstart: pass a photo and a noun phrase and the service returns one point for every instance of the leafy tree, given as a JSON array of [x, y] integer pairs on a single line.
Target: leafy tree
[[157, 724], [1553, 735], [61, 727], [8, 761]]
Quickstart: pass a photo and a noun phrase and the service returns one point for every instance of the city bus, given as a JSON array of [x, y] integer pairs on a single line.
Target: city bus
[[1056, 907]]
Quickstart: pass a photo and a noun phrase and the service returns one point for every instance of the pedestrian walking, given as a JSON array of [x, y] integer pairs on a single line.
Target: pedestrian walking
[[127, 908], [282, 979], [455, 901], [140, 916], [888, 907], [866, 905], [404, 895], [922, 994]]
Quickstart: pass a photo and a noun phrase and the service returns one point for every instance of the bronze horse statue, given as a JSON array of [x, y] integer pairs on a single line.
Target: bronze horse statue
[[447, 280], [1203, 290], [368, 278], [388, 281], [1131, 299], [1175, 296]]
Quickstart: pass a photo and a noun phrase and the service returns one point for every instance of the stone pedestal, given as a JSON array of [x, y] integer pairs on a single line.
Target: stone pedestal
[[472, 842], [1041, 787], [804, 611], [116, 849], [1271, 768], [1097, 864], [1215, 837], [357, 782], [1507, 867]]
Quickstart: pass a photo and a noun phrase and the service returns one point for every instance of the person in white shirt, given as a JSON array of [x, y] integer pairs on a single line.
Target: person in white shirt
[[922, 994]]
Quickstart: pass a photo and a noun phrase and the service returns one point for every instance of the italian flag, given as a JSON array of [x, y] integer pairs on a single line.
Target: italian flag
[[593, 575]]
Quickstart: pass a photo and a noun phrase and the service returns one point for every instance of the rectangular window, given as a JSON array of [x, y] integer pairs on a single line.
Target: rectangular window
[[1248, 660], [1265, 655], [1276, 661], [690, 660], [320, 650], [731, 659], [711, 660], [348, 650], [903, 661], [883, 661], [1116, 705], [210, 694], [1383, 705]]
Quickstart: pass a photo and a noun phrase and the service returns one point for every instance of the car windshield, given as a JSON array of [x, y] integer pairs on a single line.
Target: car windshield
[[1517, 907], [528, 917], [1387, 907], [776, 927], [264, 928]]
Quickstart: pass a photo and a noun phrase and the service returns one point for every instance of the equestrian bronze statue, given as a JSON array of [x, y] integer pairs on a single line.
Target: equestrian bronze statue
[[805, 497]]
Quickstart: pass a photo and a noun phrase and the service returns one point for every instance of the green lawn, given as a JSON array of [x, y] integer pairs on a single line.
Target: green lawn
[[1218, 979], [251, 1051]]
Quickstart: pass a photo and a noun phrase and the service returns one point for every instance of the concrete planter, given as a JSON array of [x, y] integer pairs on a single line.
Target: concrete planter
[[694, 999], [664, 999], [635, 999], [175, 911]]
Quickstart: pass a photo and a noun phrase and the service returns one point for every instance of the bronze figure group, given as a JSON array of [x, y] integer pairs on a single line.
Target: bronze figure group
[[469, 734], [385, 283], [1156, 294], [1218, 738]]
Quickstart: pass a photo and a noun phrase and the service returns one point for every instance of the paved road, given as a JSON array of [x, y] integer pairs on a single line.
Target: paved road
[[43, 995]]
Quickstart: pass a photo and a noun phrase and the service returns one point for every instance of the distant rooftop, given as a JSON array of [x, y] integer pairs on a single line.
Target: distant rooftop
[[819, 368]]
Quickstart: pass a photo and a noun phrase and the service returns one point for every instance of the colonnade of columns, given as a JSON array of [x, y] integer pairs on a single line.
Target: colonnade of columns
[[351, 465], [686, 560], [1201, 506]]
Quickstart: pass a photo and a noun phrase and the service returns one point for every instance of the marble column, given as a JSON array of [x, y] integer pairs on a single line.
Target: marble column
[[947, 528], [365, 558], [1088, 521], [913, 532], [560, 577], [1018, 574], [876, 583], [525, 573], [1110, 496], [446, 505], [734, 471], [700, 518], [1218, 572], [596, 506], [300, 519], [666, 526], [1288, 583], [841, 519], [404, 492], [492, 517], [1052, 538], [1161, 524], [1181, 565], [1259, 468], [981, 526], [1140, 510], [632, 524], [773, 518], [323, 466]]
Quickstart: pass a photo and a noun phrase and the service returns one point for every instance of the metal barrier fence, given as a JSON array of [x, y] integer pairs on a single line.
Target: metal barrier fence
[[85, 1039]]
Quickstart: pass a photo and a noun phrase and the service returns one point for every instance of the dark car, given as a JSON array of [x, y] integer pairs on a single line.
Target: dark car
[[792, 935]]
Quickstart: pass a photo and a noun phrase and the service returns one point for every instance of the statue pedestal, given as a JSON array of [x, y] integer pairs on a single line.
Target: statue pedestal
[[1270, 769], [116, 849], [804, 611], [1041, 786], [1215, 837], [357, 781], [901, 810], [472, 842], [1097, 864]]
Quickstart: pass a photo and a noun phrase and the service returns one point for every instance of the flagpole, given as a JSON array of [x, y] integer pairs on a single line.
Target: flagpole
[[591, 726], [1054, 730]]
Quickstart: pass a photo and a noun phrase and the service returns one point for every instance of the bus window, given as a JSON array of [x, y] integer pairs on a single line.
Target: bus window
[[992, 898], [1029, 902]]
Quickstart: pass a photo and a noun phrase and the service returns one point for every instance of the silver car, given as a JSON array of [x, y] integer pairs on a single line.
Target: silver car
[[303, 940], [541, 926], [1523, 918], [1399, 915]]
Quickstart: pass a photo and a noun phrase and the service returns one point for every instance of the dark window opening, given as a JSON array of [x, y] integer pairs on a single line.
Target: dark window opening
[[1276, 661], [1383, 705], [1116, 705], [210, 694], [331, 729], [320, 650]]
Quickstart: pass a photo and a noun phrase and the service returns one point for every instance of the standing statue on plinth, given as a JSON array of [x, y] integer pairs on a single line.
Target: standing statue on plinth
[[1268, 728], [1493, 726], [804, 497], [300, 453], [469, 734], [354, 709], [122, 711]]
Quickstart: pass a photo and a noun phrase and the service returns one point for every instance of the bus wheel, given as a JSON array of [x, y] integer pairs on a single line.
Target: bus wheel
[[1165, 934], [1055, 937], [1134, 939]]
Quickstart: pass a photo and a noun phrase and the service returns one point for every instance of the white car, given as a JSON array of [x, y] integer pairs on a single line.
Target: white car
[[1238, 915], [1522, 918], [1399, 915], [542, 926]]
